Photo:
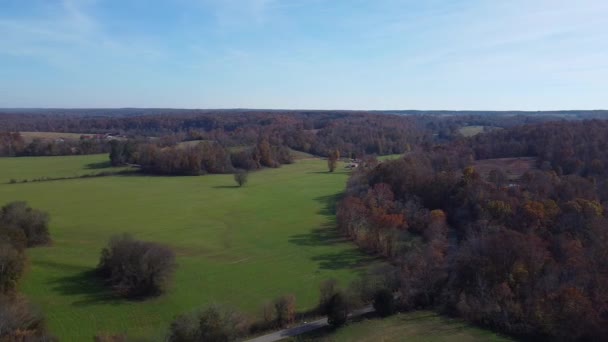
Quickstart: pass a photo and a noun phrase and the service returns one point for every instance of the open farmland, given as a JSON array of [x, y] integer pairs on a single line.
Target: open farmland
[[29, 136], [29, 168], [240, 246]]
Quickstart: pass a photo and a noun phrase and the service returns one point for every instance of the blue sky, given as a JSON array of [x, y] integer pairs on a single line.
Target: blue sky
[[323, 54]]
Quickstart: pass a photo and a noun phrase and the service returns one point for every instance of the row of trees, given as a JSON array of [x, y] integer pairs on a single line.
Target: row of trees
[[20, 227], [315, 132], [526, 257], [223, 324], [312, 132], [12, 144], [205, 157]]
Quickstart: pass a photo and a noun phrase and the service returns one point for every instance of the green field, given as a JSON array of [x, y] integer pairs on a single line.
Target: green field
[[69, 166], [469, 131], [420, 326], [240, 246], [29, 136]]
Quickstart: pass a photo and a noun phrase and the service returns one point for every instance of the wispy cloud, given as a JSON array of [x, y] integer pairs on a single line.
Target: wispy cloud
[[65, 35]]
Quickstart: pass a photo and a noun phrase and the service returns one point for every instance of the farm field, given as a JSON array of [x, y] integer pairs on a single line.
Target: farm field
[[469, 131], [62, 166], [419, 326], [235, 246], [29, 136]]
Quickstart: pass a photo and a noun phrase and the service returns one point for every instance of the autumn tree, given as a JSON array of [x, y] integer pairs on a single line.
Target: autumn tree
[[285, 308], [213, 324], [12, 266], [332, 160], [32, 223], [327, 290], [337, 309]]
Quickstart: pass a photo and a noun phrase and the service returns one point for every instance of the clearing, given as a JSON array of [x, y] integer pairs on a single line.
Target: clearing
[[514, 168], [470, 131]]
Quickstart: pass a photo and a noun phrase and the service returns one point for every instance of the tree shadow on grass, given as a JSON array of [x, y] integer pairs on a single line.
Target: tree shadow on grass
[[347, 259], [99, 165], [323, 236], [330, 203], [326, 173], [85, 284], [226, 187], [328, 235]]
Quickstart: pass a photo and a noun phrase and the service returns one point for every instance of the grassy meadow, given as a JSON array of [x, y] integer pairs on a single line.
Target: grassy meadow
[[470, 131], [238, 246], [29, 136], [419, 326], [55, 167]]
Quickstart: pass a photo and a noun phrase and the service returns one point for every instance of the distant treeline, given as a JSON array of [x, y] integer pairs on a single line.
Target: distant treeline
[[527, 256], [311, 132], [12, 144], [317, 132]]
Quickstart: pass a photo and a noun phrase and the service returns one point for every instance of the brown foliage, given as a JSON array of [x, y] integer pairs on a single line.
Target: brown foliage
[[285, 309]]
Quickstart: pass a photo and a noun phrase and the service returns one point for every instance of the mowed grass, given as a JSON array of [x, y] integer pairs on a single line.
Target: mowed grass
[[238, 246], [419, 326]]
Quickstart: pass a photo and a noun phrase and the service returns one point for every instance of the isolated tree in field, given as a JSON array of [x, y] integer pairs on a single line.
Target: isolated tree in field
[[384, 302], [332, 160], [337, 309], [285, 308], [135, 268], [32, 222], [241, 177]]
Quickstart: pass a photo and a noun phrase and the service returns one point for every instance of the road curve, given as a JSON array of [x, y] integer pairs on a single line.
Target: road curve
[[304, 328]]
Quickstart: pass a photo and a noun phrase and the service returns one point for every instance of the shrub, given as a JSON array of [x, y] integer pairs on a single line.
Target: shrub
[[337, 309], [240, 177], [136, 268], [214, 324], [14, 237], [19, 321], [34, 223], [268, 313], [327, 290], [12, 265], [285, 308], [384, 302]]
